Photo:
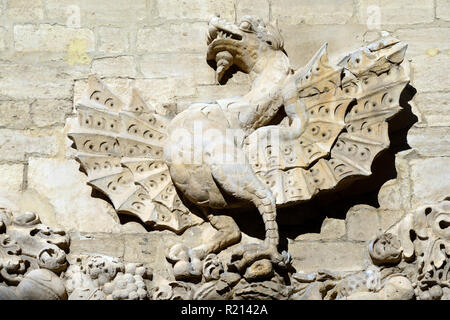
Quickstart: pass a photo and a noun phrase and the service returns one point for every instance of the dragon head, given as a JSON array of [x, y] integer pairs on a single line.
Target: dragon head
[[241, 45]]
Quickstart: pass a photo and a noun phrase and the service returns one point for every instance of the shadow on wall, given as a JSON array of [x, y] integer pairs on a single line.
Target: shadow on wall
[[308, 217]]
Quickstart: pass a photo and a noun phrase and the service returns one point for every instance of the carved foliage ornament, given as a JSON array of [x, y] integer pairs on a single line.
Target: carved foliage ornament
[[418, 248], [31, 257]]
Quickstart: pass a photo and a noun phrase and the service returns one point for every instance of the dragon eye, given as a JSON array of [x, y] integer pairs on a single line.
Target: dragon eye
[[245, 25]]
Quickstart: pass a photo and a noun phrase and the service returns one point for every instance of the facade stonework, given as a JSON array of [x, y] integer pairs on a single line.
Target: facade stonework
[[80, 76]]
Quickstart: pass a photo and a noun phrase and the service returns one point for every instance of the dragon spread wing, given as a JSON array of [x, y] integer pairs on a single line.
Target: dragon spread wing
[[120, 148], [346, 108]]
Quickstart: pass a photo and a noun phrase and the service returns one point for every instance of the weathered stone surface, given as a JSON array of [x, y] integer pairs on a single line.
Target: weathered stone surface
[[362, 223], [11, 177], [62, 184], [423, 39], [52, 38], [194, 9], [435, 108], [389, 217], [172, 37], [154, 91], [122, 66], [15, 114], [97, 243], [443, 10], [337, 256], [41, 109], [25, 10], [430, 179], [25, 81], [175, 65], [396, 12], [395, 194], [3, 41], [429, 75], [97, 13], [430, 141], [163, 42], [212, 92], [341, 39], [312, 11], [113, 40], [332, 228], [15, 145], [259, 8]]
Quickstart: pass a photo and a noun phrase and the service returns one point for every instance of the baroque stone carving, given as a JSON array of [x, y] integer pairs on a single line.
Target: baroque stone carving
[[229, 153], [102, 277], [31, 257]]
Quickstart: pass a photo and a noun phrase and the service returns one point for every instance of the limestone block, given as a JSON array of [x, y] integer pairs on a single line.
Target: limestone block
[[16, 145], [27, 81], [389, 217], [309, 237], [211, 93], [97, 243], [341, 39], [259, 8], [25, 10], [332, 228], [423, 39], [113, 40], [362, 223], [52, 38], [11, 176], [312, 11], [395, 194], [429, 73], [87, 12], [153, 91], [337, 256], [171, 37], [434, 107], [443, 10], [122, 66], [178, 65], [48, 112], [396, 12], [430, 141], [119, 87], [15, 114], [64, 186], [430, 179], [194, 9]]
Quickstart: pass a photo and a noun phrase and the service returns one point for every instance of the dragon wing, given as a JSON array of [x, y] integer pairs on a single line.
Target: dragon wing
[[345, 109], [120, 148]]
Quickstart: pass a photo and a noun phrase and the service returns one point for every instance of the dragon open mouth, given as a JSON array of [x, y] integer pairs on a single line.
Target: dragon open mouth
[[224, 40], [217, 34]]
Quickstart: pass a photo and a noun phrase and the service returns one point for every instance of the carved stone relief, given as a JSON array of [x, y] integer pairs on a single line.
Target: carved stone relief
[[31, 257], [174, 172], [226, 154]]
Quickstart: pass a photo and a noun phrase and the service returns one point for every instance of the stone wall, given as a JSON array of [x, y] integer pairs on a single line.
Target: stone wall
[[49, 47]]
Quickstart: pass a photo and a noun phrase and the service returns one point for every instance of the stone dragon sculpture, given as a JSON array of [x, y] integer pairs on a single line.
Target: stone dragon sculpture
[[152, 166]]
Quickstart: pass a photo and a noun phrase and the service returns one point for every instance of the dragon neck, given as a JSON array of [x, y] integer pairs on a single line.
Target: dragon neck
[[262, 102]]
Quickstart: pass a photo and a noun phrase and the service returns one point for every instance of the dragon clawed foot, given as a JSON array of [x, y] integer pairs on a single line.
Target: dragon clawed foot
[[257, 261]]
